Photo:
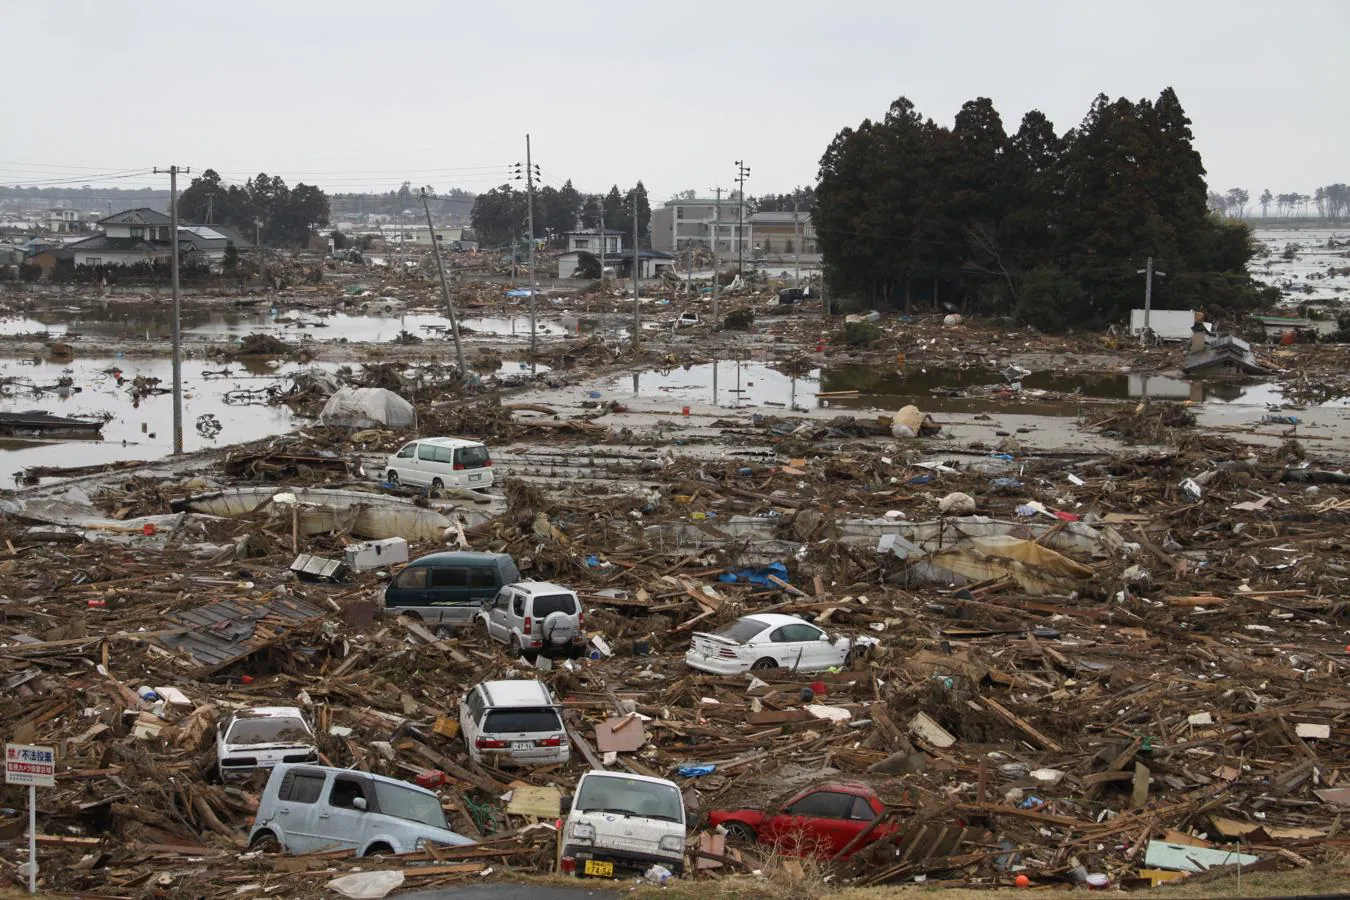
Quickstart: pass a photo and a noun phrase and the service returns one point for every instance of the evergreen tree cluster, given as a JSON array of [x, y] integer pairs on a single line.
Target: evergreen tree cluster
[[500, 216], [1050, 229], [280, 216]]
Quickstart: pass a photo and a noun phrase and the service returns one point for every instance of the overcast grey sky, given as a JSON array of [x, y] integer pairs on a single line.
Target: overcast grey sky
[[362, 95]]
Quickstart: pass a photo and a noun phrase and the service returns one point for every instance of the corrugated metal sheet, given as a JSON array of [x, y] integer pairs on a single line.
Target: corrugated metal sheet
[[221, 632]]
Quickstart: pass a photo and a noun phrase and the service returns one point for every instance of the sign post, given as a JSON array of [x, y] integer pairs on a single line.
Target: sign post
[[33, 766]]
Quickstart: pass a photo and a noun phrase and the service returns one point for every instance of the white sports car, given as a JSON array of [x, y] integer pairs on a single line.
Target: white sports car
[[769, 641]]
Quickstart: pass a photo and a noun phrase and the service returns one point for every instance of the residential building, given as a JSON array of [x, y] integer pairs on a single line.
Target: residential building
[[777, 235], [651, 263], [591, 241], [143, 235], [681, 225], [63, 220]]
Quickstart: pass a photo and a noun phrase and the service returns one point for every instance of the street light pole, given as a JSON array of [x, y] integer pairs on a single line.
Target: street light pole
[[445, 288], [742, 173]]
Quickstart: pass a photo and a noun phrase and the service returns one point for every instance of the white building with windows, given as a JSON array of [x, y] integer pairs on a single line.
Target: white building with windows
[[591, 241], [705, 224], [143, 235]]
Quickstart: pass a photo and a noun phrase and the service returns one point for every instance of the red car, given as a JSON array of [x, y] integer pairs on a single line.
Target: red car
[[819, 821]]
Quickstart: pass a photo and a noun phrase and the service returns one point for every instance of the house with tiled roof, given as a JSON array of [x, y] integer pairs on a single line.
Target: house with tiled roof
[[144, 235]]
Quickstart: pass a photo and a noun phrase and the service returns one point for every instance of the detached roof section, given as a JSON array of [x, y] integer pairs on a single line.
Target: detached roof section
[[226, 631]]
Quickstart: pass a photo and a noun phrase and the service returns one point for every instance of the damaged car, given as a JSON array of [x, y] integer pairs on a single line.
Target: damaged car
[[262, 737], [772, 641]]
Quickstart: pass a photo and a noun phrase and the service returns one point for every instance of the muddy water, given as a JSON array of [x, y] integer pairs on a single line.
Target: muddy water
[[144, 429], [732, 384], [152, 321]]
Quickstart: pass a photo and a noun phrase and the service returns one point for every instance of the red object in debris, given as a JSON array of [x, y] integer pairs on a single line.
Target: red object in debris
[[684, 411], [818, 688], [431, 779], [245, 679], [819, 821], [148, 529], [1022, 881], [1065, 516], [1288, 338], [98, 603]]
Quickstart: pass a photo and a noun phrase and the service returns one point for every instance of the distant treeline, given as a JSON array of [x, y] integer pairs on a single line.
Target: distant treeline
[[1331, 201]]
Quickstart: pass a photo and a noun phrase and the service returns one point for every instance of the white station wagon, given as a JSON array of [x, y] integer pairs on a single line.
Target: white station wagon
[[772, 641]]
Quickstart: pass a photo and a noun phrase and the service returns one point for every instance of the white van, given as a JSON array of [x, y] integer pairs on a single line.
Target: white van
[[441, 462], [621, 823], [305, 809]]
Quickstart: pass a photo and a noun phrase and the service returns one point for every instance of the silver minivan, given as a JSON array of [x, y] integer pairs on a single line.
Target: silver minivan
[[439, 463], [305, 809], [519, 721]]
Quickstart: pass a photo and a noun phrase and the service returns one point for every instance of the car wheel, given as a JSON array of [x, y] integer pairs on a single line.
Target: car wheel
[[392, 478], [437, 484], [764, 663], [379, 850], [515, 646], [483, 627], [739, 833], [266, 842], [415, 616]]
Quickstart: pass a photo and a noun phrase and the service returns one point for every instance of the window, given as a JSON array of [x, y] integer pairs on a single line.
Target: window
[[822, 805], [344, 791], [415, 806], [582, 243], [426, 452], [267, 730], [445, 454], [415, 577], [475, 704], [482, 576], [518, 606], [138, 234], [600, 793], [472, 457], [298, 787], [862, 810], [93, 261], [522, 721], [548, 604], [407, 452], [742, 630], [503, 599], [446, 576], [794, 634]]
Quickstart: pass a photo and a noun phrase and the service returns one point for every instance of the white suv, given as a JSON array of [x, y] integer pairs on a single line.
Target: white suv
[[440, 462], [534, 617], [519, 720]]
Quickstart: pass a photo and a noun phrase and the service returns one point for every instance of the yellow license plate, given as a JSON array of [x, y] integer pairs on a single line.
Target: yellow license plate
[[596, 867]]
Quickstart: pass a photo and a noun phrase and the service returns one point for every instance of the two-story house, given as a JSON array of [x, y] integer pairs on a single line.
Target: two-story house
[[144, 235]]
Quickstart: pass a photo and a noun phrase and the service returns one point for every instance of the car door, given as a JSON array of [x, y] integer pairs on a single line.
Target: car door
[[448, 587], [426, 464], [813, 824], [788, 648], [341, 823], [470, 711], [297, 810], [405, 460], [496, 616], [860, 817], [817, 650]]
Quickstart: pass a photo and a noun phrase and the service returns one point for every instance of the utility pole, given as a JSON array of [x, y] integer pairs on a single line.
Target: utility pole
[[742, 173], [796, 246], [717, 226], [445, 288], [1148, 273], [210, 207], [603, 241], [534, 287], [177, 307], [637, 288]]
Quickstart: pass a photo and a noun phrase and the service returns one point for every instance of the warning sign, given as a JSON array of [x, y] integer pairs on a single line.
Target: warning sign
[[27, 764]]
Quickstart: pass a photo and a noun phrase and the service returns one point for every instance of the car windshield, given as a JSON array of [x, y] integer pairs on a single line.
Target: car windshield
[[522, 721], [629, 796], [272, 730], [741, 630], [406, 803], [548, 604]]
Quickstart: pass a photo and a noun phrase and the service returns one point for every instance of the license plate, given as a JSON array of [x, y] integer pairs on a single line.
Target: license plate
[[475, 477], [522, 745], [598, 868]]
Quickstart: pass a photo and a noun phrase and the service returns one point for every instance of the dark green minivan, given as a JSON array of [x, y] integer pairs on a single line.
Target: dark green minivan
[[449, 588]]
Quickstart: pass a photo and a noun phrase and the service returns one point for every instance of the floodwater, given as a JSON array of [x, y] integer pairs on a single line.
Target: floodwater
[[970, 390], [154, 321], [1306, 278], [144, 429]]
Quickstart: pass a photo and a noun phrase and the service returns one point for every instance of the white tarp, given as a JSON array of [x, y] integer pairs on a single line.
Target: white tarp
[[367, 408], [1168, 324]]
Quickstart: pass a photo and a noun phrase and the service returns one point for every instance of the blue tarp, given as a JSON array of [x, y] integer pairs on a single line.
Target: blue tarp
[[755, 576]]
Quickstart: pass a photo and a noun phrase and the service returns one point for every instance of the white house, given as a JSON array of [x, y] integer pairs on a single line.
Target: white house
[[591, 241], [63, 220], [651, 263]]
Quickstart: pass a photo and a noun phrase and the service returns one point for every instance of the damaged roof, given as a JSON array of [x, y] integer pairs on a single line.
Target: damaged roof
[[222, 632]]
